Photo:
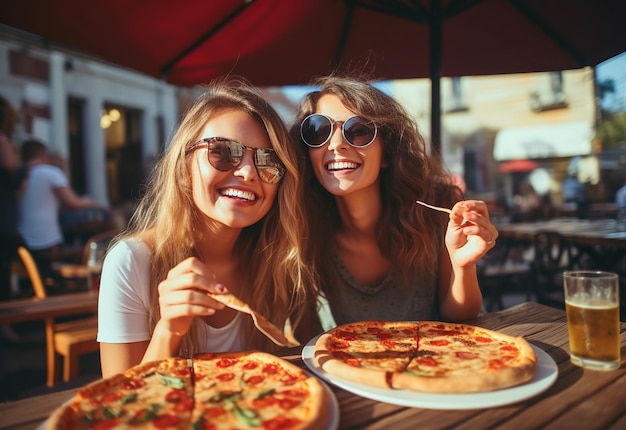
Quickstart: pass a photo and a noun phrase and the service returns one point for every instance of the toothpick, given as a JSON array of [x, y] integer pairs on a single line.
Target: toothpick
[[437, 208]]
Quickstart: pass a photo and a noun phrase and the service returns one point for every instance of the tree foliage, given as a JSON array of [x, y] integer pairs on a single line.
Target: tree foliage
[[612, 130]]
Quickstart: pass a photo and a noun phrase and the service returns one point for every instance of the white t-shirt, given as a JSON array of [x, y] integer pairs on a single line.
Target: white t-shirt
[[39, 207], [124, 303]]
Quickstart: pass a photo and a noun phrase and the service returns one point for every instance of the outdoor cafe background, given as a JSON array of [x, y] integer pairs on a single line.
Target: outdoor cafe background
[[551, 118]]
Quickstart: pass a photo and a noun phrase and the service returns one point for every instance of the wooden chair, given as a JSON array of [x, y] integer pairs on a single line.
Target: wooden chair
[[77, 274], [498, 274], [552, 256], [70, 339]]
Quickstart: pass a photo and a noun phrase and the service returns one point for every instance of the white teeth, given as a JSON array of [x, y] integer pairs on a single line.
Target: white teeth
[[245, 195], [338, 165]]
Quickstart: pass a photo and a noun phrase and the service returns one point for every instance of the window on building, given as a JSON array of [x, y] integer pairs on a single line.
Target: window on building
[[456, 101]]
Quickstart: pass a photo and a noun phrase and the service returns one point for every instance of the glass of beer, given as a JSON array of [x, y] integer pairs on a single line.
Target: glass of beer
[[97, 250], [592, 306]]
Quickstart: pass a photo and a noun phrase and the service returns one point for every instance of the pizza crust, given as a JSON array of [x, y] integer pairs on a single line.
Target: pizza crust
[[326, 361], [522, 371], [266, 327]]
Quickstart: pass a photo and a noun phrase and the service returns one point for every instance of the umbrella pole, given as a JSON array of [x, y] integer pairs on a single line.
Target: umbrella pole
[[436, 48]]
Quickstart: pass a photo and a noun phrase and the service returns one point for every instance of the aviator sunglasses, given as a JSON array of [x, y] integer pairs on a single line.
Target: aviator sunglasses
[[316, 130], [226, 154]]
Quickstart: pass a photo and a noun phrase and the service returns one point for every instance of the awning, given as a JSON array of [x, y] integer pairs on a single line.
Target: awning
[[514, 166], [544, 141]]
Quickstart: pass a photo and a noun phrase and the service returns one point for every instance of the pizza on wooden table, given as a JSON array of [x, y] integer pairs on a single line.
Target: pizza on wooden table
[[425, 356], [211, 391]]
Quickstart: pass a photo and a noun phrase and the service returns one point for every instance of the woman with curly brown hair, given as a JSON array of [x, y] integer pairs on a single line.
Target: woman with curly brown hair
[[218, 217], [379, 255]]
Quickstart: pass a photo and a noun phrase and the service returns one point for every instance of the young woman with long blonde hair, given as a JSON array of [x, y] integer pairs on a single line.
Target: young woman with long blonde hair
[[218, 216]]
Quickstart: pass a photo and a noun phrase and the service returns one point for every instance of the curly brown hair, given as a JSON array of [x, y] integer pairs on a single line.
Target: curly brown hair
[[410, 237]]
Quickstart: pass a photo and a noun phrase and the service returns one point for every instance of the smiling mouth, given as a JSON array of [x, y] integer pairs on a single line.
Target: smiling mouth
[[238, 194], [341, 165]]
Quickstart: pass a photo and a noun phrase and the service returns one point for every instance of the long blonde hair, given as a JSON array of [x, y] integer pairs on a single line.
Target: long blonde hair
[[269, 250]]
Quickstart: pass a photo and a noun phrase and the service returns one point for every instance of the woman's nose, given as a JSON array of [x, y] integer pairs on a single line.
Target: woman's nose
[[336, 138]]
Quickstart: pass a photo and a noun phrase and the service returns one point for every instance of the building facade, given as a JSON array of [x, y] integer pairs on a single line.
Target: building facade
[[104, 123]]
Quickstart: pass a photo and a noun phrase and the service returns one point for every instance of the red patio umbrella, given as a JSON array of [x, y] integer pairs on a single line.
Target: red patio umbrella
[[285, 42]]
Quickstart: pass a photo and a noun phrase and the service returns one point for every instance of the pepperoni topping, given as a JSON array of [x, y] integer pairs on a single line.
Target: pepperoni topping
[[384, 336], [281, 423], [295, 393], [496, 364], [112, 397], [264, 402], [288, 403], [165, 420], [388, 344], [439, 342], [352, 362], [226, 376], [288, 378], [427, 361], [213, 412], [255, 379], [345, 335], [184, 405], [509, 348], [181, 371], [483, 339], [466, 355], [338, 344], [226, 362], [175, 396], [133, 384], [249, 365], [271, 369]]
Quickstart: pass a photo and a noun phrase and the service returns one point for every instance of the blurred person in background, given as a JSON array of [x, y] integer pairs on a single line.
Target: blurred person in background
[[46, 191], [620, 199], [574, 193], [526, 203], [9, 184]]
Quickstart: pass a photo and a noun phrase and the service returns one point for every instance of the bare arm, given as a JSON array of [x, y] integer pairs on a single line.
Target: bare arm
[[459, 293], [8, 157], [469, 236], [182, 297], [71, 200], [118, 357]]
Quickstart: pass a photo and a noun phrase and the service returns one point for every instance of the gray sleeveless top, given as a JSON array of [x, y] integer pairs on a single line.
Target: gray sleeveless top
[[391, 300]]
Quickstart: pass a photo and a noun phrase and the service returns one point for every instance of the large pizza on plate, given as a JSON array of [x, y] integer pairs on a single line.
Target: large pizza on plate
[[211, 391], [425, 356]]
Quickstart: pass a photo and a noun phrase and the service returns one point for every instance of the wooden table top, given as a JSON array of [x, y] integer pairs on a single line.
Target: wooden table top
[[20, 310], [604, 232], [579, 398]]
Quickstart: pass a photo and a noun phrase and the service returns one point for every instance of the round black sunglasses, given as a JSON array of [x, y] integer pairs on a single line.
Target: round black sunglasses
[[317, 129]]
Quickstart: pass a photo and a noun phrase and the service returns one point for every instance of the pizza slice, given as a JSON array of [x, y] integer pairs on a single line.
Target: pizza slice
[[458, 358], [153, 395], [255, 389], [265, 326], [367, 352]]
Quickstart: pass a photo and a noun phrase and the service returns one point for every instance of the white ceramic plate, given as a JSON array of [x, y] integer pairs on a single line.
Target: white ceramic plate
[[333, 420], [545, 375]]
